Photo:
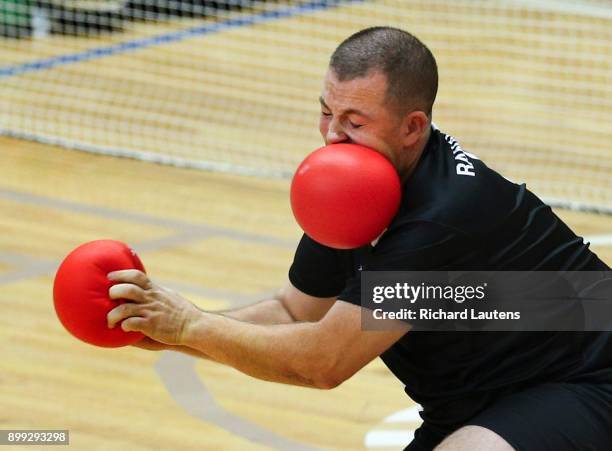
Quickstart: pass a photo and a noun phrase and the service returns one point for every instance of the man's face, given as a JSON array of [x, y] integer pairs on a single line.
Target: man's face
[[355, 112]]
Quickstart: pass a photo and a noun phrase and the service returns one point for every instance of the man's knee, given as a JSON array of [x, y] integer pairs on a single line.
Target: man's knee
[[474, 438]]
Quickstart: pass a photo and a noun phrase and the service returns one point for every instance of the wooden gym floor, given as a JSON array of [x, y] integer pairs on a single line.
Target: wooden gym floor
[[222, 241]]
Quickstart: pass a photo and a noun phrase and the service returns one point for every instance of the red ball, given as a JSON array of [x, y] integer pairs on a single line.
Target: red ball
[[80, 292], [345, 195]]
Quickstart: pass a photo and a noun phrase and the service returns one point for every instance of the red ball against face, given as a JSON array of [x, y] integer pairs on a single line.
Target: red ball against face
[[345, 195], [80, 292]]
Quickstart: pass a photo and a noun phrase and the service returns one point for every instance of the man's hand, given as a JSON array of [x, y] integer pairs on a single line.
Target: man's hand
[[159, 313], [152, 345]]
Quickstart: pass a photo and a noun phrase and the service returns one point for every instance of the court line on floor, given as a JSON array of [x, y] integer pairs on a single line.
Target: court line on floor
[[23, 266], [26, 267], [172, 37], [116, 214], [396, 430], [178, 375]]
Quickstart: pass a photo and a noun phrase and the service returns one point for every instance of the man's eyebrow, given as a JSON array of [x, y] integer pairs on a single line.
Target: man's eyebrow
[[349, 111], [323, 104]]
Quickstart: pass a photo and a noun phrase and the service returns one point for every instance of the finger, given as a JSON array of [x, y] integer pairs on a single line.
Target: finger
[[133, 324], [127, 291], [122, 312], [131, 276]]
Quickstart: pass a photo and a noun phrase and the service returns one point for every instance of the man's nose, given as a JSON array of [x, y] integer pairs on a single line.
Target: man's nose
[[335, 134]]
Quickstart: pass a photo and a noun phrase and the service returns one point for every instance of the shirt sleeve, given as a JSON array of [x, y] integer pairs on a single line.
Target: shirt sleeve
[[318, 270]]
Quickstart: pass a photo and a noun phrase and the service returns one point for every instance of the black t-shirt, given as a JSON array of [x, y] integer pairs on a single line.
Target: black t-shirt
[[458, 214]]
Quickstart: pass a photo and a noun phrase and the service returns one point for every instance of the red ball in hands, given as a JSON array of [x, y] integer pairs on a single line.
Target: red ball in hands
[[80, 292], [345, 195]]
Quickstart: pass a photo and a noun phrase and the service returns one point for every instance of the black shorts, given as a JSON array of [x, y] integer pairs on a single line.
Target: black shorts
[[548, 417]]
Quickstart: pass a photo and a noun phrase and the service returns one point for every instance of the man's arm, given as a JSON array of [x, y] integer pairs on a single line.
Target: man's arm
[[320, 353], [288, 305]]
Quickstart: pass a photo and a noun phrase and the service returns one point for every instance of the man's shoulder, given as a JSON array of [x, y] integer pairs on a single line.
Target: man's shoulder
[[451, 187]]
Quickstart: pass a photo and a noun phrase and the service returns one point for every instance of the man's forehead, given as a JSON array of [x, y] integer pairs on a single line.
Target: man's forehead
[[370, 88]]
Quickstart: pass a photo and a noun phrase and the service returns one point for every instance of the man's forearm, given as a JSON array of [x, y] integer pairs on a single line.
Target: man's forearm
[[285, 353], [269, 311]]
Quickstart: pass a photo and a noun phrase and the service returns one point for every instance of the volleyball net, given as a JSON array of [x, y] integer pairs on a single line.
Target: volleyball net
[[233, 85]]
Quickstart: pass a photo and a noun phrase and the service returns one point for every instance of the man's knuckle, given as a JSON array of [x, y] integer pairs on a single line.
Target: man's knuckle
[[143, 279]]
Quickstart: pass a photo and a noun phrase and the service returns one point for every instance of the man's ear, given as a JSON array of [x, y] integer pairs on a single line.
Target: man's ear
[[414, 126]]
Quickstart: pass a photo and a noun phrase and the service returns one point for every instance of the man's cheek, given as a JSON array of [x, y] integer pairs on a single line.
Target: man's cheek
[[323, 127]]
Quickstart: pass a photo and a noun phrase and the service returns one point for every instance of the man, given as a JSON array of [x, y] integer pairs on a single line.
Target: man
[[480, 391]]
